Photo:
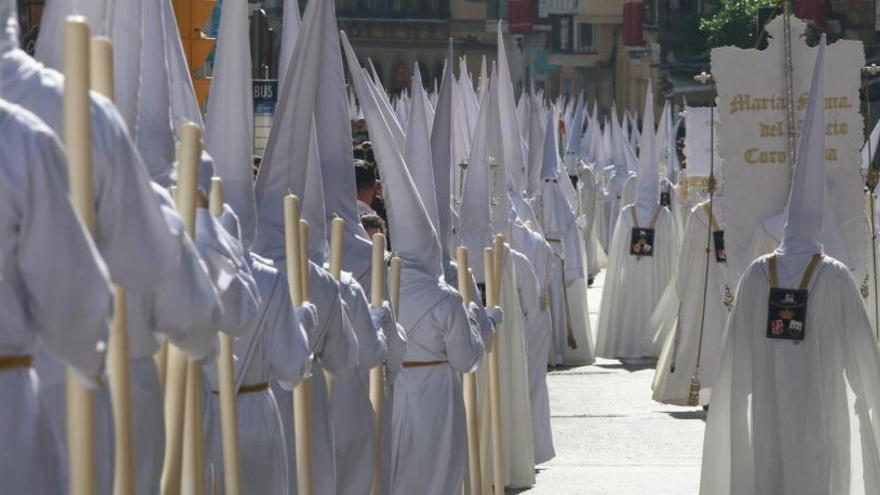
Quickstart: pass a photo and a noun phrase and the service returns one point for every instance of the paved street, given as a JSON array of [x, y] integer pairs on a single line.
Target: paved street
[[612, 439]]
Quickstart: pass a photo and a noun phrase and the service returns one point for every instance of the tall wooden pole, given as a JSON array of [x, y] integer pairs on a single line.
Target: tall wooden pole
[[297, 284], [226, 379], [337, 227], [377, 373], [77, 135], [182, 470], [193, 474], [118, 361], [395, 285], [469, 385], [492, 258]]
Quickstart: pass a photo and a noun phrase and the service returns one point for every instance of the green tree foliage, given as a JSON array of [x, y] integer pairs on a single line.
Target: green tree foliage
[[734, 23]]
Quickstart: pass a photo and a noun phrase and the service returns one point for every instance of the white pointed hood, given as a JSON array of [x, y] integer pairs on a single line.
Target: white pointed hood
[[661, 139], [385, 108], [648, 196], [229, 132], [417, 153], [483, 83], [49, 42], [803, 227], [469, 97], [499, 152], [550, 162], [523, 111], [445, 133], [599, 150], [537, 123], [334, 140], [573, 148], [475, 226], [617, 151], [126, 32], [511, 153], [153, 132], [285, 164], [313, 205], [290, 27], [412, 235], [184, 105], [586, 153]]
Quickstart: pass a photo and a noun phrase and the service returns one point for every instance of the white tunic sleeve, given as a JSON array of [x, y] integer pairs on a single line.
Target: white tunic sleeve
[[133, 237], [186, 306], [224, 258], [464, 347], [288, 353], [333, 340], [67, 292], [371, 340]]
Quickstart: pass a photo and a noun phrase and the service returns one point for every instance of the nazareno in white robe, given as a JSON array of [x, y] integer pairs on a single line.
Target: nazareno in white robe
[[589, 203], [183, 307], [429, 438], [335, 349], [633, 286], [537, 329], [516, 412], [275, 347], [354, 423], [568, 290], [60, 297], [796, 419], [685, 310]]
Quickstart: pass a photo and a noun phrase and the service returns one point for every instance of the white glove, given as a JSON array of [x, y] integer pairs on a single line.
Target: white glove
[[383, 318], [307, 314], [581, 222], [473, 312], [495, 314]]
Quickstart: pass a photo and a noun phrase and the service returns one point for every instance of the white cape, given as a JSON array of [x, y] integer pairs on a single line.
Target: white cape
[[680, 346], [633, 287], [516, 413], [796, 419]]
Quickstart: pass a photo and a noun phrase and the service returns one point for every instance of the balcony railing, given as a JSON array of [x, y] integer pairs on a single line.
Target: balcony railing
[[393, 9]]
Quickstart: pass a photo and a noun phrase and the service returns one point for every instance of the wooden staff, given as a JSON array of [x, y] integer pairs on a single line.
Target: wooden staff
[[377, 373], [296, 282], [77, 134], [336, 231], [181, 468], [161, 357], [469, 384], [485, 416], [226, 379], [493, 295], [118, 360], [395, 285]]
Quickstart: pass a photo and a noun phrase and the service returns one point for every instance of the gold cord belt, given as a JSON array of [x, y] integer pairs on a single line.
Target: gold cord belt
[[420, 364], [249, 389], [13, 362], [653, 217], [805, 280]]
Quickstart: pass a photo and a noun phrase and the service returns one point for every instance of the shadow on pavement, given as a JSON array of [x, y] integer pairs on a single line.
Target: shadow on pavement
[[698, 414], [630, 367]]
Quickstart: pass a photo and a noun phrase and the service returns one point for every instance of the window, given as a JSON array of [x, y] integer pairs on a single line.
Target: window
[[563, 36], [650, 18], [587, 39]]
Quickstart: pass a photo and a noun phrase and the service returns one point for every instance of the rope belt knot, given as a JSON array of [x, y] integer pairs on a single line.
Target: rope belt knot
[[14, 362]]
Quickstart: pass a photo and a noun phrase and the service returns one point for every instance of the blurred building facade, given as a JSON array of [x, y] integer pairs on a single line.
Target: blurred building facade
[[609, 49]]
